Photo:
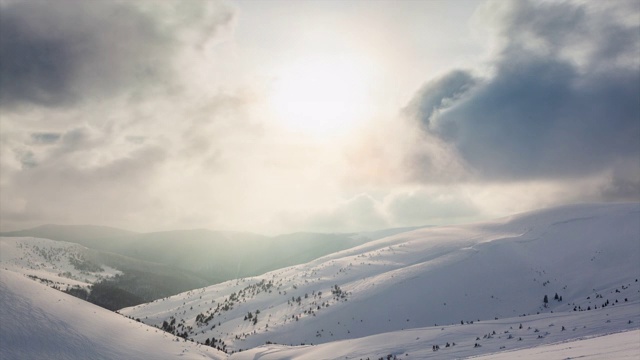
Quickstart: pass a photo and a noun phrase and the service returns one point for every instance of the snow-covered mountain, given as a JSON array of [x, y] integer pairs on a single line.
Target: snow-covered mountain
[[59, 264], [212, 255], [432, 293], [106, 279], [438, 279]]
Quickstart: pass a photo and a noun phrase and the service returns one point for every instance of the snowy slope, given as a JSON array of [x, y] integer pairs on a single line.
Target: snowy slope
[[624, 345], [56, 263], [41, 323], [587, 254], [497, 339], [38, 322], [614, 346]]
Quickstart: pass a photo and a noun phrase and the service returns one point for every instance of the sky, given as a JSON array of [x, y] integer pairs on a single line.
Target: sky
[[327, 116]]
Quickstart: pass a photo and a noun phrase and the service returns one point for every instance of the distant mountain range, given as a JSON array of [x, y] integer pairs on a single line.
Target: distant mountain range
[[214, 255], [158, 264]]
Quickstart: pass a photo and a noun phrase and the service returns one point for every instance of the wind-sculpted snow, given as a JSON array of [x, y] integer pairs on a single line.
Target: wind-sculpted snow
[[38, 322], [431, 277]]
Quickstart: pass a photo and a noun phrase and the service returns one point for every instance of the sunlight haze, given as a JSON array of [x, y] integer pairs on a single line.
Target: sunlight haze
[[284, 116]]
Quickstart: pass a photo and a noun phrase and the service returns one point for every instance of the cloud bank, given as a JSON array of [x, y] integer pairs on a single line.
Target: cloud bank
[[561, 101]]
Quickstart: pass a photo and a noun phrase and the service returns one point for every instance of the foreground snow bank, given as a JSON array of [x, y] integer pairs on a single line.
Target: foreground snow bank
[[37, 322]]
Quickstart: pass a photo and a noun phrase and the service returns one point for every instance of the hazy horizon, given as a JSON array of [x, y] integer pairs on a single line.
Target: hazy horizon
[[204, 229], [151, 231], [277, 117]]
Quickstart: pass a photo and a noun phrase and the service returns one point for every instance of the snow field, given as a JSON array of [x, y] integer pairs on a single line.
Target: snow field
[[588, 254]]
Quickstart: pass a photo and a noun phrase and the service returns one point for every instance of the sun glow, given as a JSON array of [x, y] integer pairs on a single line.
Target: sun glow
[[322, 96]]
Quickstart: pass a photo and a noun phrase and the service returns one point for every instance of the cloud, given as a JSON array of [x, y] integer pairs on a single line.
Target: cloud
[[622, 184], [59, 53], [45, 138], [562, 101], [622, 189], [439, 94], [86, 192], [139, 115], [398, 208], [362, 212], [98, 104], [430, 207]]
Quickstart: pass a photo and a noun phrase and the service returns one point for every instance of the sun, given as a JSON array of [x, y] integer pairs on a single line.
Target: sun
[[321, 96]]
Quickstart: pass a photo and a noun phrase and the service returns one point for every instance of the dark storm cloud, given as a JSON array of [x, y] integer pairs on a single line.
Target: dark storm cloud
[[564, 100], [58, 52]]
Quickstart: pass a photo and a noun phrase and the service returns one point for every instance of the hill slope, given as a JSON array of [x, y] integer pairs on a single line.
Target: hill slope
[[58, 263], [587, 254], [41, 323], [106, 279], [541, 335]]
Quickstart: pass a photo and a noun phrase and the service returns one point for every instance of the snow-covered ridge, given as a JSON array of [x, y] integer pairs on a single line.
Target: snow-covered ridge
[[56, 263], [453, 275]]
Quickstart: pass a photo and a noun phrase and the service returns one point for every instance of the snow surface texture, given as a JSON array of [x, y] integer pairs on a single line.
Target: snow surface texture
[[38, 322], [616, 346], [497, 338], [434, 284], [51, 262]]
